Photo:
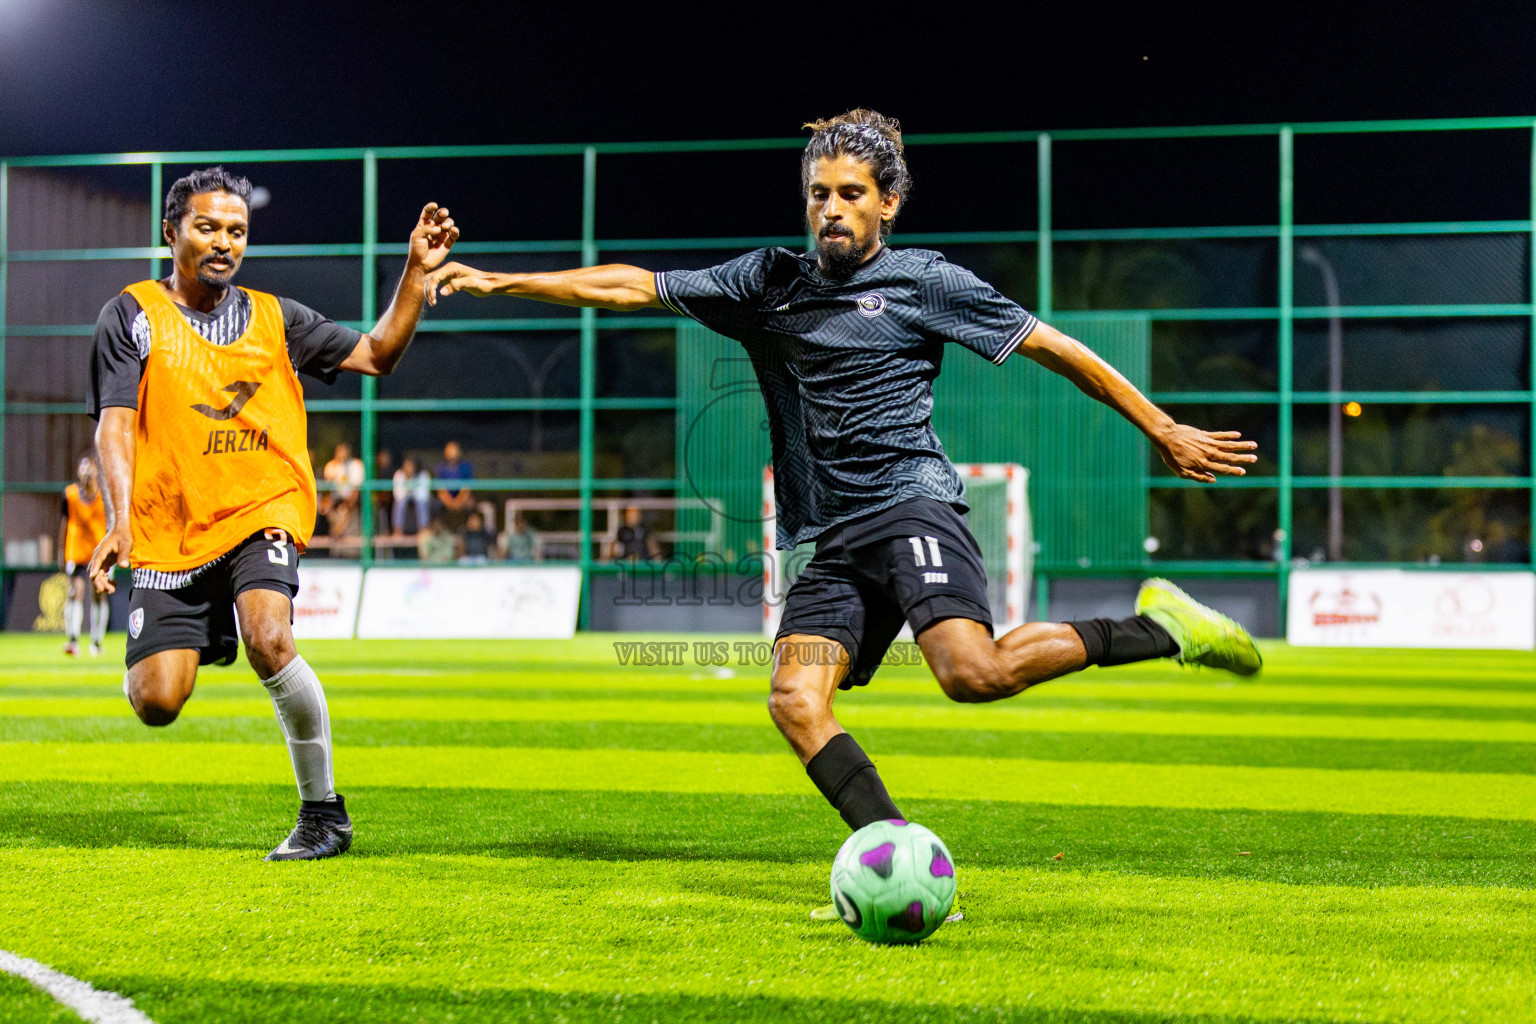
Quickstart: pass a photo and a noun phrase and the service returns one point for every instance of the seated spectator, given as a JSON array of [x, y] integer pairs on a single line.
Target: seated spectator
[[383, 469], [436, 543], [634, 541], [346, 473], [522, 543], [413, 492], [455, 502], [477, 545]]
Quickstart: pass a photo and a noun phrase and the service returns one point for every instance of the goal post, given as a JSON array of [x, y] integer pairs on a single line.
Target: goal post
[[998, 494]]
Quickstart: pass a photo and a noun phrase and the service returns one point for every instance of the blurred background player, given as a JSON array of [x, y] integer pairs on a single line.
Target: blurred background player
[[83, 522], [846, 342], [203, 442]]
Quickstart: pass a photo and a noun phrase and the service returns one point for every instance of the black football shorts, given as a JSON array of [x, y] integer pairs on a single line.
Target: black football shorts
[[915, 562], [201, 615]]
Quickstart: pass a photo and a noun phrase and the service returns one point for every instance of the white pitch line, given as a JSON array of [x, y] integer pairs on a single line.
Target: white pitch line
[[90, 1003]]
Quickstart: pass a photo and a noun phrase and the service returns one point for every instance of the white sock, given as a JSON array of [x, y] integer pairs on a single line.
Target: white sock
[[101, 609], [301, 711], [74, 615]]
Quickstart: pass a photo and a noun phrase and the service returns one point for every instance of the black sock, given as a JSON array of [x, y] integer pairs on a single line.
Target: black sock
[[847, 778], [1122, 641]]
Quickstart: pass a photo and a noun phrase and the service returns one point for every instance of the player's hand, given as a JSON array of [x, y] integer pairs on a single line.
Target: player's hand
[[432, 237], [456, 277], [112, 553], [1196, 454]]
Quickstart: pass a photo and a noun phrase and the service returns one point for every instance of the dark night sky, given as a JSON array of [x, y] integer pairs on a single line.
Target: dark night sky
[[79, 76]]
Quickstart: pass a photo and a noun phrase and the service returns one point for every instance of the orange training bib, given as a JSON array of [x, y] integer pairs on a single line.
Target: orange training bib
[[86, 525], [222, 439]]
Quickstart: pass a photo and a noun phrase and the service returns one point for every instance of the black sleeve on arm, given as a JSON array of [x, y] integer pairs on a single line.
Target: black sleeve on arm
[[958, 306], [726, 298], [117, 357], [317, 345]]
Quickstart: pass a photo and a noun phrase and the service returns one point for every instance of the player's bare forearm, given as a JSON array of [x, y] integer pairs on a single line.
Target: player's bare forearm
[[380, 350], [1190, 452], [614, 286], [117, 446]]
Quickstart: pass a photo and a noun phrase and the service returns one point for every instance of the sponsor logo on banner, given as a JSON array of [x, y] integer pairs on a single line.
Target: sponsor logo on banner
[[325, 607], [470, 603], [1395, 608]]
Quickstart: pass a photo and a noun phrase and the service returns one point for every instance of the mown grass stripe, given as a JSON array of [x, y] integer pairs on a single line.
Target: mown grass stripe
[[1472, 795], [1020, 716]]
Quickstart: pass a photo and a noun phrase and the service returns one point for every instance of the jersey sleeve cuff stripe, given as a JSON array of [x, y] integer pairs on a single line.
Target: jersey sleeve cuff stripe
[[665, 296], [1025, 330]]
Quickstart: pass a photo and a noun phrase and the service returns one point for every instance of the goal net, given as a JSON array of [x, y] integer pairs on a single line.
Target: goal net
[[999, 518]]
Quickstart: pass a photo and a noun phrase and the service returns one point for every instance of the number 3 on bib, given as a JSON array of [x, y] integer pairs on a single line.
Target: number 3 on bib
[[279, 553]]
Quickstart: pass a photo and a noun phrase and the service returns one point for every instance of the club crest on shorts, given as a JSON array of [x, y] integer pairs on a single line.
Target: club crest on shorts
[[871, 304], [136, 622]]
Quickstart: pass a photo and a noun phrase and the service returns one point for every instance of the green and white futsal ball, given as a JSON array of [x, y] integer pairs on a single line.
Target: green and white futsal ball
[[893, 881]]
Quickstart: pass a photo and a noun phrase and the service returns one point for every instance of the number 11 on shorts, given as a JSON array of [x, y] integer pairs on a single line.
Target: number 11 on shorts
[[933, 549]]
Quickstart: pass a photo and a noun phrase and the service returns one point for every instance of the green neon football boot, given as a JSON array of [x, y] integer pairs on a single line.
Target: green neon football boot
[[1204, 636]]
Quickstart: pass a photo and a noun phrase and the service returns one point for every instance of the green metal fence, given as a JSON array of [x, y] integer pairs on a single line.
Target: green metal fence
[[1047, 241]]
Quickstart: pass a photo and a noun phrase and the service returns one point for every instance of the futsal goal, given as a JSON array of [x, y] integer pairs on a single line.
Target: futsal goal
[[998, 494]]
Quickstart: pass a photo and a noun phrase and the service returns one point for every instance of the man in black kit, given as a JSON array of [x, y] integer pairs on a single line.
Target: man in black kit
[[846, 342]]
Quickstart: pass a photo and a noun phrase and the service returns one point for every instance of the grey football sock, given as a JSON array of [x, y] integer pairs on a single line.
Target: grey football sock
[[100, 611], [74, 615], [300, 705]]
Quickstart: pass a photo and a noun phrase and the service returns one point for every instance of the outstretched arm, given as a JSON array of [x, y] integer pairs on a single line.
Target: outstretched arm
[[1192, 453], [380, 349], [116, 443], [614, 286]]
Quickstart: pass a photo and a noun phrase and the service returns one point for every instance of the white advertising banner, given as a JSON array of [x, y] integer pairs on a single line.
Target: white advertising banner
[[470, 604], [1404, 608], [326, 606]]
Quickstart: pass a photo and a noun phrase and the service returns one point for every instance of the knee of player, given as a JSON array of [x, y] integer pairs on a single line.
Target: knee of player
[[972, 680], [268, 649], [156, 707], [792, 705]]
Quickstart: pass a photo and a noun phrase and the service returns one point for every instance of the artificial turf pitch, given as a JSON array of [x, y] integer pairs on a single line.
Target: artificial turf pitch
[[546, 834]]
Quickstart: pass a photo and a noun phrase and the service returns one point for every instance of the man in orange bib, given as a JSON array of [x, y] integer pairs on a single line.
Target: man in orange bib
[[211, 496], [82, 523]]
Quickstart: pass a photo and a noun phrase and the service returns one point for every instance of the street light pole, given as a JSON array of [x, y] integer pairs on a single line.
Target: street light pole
[[1311, 254]]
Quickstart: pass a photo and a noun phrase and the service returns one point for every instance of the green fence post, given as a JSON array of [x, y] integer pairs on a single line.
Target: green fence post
[[588, 377], [5, 248], [156, 187], [1287, 335], [370, 385], [1043, 302]]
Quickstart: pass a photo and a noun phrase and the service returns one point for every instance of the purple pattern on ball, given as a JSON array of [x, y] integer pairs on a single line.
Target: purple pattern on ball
[[879, 859], [909, 920], [940, 866], [895, 821]]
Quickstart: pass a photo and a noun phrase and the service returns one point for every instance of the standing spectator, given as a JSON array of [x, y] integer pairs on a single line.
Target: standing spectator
[[456, 502], [478, 544], [346, 474], [413, 494], [634, 541], [435, 543], [522, 540], [383, 469]]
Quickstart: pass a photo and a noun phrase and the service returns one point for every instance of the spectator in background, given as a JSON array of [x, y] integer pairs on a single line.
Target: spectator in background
[[346, 473], [634, 541], [456, 503], [522, 540], [413, 494], [477, 545], [383, 469], [435, 543]]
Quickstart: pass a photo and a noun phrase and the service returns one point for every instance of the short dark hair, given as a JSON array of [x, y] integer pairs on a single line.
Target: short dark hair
[[210, 179], [865, 135]]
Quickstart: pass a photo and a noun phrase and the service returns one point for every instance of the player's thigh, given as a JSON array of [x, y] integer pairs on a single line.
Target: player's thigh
[[160, 683], [264, 578]]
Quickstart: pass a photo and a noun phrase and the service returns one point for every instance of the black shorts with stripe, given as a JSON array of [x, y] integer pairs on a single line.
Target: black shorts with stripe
[[201, 615], [915, 562]]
